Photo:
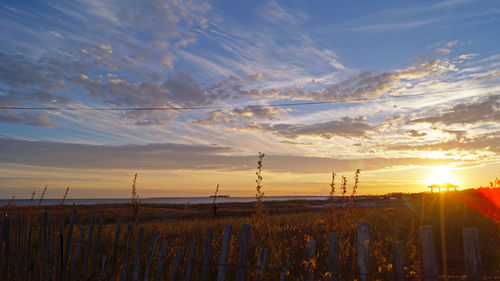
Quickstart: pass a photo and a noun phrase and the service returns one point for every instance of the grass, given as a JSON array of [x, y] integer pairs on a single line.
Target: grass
[[290, 224], [285, 228]]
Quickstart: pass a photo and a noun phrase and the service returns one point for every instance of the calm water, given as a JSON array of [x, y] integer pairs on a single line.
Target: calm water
[[163, 200]]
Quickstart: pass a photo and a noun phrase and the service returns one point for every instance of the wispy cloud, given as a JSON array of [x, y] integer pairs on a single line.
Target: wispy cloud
[[392, 26], [273, 12]]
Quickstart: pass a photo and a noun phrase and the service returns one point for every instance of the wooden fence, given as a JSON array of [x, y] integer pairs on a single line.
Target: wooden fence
[[45, 248]]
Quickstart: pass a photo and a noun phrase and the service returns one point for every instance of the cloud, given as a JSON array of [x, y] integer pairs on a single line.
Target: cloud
[[392, 26], [151, 117], [259, 112], [363, 85], [468, 56], [167, 61], [451, 43], [186, 41], [415, 133], [238, 115], [24, 82], [162, 18], [180, 88], [486, 142], [26, 118], [275, 13], [346, 127], [169, 156], [258, 76], [18, 71], [486, 110]]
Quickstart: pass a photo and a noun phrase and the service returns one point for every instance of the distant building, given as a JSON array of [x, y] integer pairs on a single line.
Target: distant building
[[445, 185]]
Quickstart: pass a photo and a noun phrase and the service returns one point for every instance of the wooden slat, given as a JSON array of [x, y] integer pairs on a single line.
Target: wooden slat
[[161, 261], [114, 258], [429, 266], [189, 264], [39, 251], [123, 276], [77, 254], [103, 269], [17, 228], [261, 264], [93, 271], [147, 272], [363, 250], [224, 253], [205, 261], [59, 251], [45, 247], [27, 262], [50, 244], [471, 253], [85, 260], [138, 248], [67, 248], [16, 247], [242, 254], [175, 266], [397, 261], [333, 256]]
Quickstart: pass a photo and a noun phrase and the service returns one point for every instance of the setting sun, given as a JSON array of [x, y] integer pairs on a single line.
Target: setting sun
[[440, 175]]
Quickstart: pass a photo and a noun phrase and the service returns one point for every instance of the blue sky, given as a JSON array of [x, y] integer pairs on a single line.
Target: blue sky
[[227, 55]]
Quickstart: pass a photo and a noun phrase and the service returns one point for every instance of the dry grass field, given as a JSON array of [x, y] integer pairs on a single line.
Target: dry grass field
[[285, 227]]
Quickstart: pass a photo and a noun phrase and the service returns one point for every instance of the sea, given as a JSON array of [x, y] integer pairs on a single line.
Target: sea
[[160, 200]]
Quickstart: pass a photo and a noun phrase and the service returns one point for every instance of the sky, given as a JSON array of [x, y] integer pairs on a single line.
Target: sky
[[406, 91]]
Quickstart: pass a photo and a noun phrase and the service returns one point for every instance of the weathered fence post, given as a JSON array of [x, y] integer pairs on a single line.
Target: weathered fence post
[[93, 271], [261, 264], [310, 259], [189, 264], [284, 272], [205, 261], [363, 250], [51, 230], [39, 249], [103, 269], [242, 255], [44, 248], [60, 250], [87, 248], [68, 244], [333, 256], [147, 272], [138, 248], [161, 259], [114, 258], [221, 273], [28, 253], [429, 266], [77, 254], [397, 261], [471, 253], [175, 266], [123, 277]]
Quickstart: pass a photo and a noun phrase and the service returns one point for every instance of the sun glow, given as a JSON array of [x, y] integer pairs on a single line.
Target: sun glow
[[440, 175]]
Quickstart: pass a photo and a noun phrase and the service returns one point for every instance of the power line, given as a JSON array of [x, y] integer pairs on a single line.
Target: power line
[[233, 107]]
